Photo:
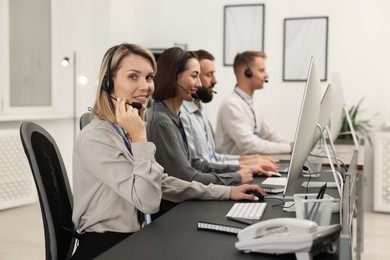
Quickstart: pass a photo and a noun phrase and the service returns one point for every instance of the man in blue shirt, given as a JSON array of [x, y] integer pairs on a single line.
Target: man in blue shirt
[[199, 130]]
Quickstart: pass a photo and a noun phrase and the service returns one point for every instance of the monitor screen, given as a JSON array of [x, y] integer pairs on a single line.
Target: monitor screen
[[336, 119], [325, 111], [339, 110], [307, 124]]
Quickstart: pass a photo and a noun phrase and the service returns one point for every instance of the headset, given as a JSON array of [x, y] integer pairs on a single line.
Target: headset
[[248, 72], [194, 95], [108, 83], [179, 62]]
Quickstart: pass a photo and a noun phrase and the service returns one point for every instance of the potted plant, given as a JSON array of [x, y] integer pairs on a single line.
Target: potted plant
[[362, 127]]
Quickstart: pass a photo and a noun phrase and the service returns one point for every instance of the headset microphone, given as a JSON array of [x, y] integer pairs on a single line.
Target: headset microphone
[[215, 92], [193, 95], [136, 105], [265, 80]]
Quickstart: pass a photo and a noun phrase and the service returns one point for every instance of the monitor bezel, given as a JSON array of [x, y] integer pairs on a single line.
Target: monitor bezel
[[306, 126]]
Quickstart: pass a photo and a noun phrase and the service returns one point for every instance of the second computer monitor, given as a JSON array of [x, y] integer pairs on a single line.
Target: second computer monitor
[[336, 119], [306, 127], [325, 111], [339, 110]]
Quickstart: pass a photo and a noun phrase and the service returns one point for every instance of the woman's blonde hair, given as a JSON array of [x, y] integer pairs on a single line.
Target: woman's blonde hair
[[103, 107]]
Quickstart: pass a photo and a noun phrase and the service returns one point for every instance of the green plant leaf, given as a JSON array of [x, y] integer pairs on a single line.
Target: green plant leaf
[[362, 127]]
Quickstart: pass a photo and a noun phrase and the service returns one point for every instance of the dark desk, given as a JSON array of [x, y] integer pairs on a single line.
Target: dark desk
[[175, 235], [345, 153]]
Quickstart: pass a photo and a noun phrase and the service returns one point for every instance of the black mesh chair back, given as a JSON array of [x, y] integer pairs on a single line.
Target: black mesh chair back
[[85, 119], [55, 195]]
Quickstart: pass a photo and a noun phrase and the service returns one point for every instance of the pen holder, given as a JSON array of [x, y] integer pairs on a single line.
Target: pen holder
[[307, 206]]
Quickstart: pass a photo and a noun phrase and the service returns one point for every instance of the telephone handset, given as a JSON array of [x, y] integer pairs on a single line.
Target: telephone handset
[[286, 235]]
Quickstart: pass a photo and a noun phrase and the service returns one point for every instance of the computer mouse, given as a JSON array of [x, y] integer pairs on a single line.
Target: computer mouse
[[275, 174], [257, 194]]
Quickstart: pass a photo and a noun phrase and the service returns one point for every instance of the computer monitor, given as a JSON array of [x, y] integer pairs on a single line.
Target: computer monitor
[[339, 109], [336, 119], [325, 111], [306, 127]]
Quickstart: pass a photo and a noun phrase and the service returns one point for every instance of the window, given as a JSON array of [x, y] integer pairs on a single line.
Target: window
[[26, 53]]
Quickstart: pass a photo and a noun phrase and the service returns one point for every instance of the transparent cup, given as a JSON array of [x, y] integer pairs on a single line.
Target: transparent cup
[[307, 206]]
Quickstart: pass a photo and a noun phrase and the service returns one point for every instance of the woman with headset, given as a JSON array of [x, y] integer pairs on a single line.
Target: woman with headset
[[115, 175], [177, 79]]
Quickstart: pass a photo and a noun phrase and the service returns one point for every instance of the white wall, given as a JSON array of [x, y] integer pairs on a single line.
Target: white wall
[[357, 47], [81, 27]]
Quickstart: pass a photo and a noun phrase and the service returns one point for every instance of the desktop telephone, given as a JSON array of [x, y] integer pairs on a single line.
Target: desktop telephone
[[287, 235]]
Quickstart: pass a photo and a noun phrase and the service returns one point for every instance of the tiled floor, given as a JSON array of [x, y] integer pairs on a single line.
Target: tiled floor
[[21, 234]]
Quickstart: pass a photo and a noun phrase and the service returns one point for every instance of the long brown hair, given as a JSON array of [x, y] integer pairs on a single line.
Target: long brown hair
[[170, 64]]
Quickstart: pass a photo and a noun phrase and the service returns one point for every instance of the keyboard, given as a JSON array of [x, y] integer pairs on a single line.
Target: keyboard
[[247, 212], [283, 169], [319, 184], [274, 185]]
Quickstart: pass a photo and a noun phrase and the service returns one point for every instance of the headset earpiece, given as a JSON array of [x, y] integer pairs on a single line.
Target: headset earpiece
[[248, 73], [108, 83], [179, 62]]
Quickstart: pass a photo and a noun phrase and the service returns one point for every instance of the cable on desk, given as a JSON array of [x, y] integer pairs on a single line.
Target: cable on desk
[[307, 184]]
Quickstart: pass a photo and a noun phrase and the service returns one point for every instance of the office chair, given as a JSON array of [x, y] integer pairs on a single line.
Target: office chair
[[55, 195], [85, 119]]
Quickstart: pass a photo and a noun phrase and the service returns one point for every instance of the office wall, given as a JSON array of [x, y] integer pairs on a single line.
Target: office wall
[[357, 47]]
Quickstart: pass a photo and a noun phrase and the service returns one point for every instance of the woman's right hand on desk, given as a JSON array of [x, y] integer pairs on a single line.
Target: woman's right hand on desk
[[241, 192]]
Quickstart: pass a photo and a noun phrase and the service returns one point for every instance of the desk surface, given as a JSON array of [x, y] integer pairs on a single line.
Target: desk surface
[[344, 152], [175, 235]]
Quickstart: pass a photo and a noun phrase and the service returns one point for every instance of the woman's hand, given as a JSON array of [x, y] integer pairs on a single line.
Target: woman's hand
[[256, 159], [259, 164], [261, 169], [239, 192], [129, 119], [246, 175]]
